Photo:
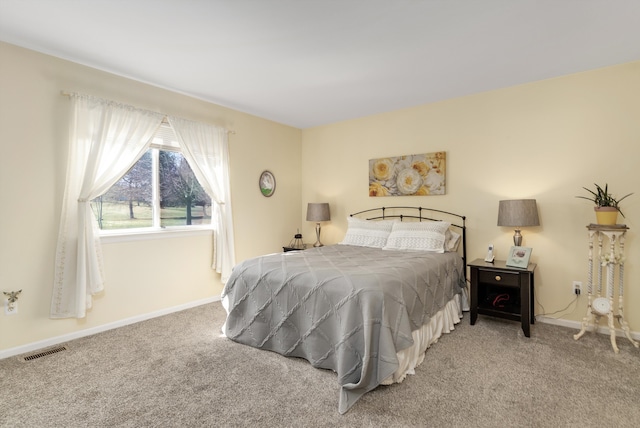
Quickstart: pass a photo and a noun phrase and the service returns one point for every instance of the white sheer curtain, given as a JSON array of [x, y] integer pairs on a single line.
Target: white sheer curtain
[[106, 139], [205, 147]]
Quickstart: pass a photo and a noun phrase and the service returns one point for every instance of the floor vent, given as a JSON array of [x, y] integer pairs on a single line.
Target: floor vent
[[45, 353]]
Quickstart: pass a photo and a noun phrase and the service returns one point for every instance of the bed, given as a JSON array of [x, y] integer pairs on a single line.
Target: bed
[[366, 308]]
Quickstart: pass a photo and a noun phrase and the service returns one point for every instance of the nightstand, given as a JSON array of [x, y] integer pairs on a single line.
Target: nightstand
[[502, 291], [287, 249]]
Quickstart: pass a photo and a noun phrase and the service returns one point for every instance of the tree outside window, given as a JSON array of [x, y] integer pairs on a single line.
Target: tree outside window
[[180, 193]]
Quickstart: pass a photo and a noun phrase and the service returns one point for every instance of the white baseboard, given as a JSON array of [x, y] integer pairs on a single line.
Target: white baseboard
[[577, 325], [99, 329]]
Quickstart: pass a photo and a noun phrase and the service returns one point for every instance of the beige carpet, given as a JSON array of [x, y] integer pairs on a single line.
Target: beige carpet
[[177, 371]]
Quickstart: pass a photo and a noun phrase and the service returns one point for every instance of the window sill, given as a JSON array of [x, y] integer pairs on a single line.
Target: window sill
[[110, 237]]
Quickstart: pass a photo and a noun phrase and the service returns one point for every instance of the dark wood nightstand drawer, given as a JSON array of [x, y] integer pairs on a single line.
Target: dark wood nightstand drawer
[[499, 278]]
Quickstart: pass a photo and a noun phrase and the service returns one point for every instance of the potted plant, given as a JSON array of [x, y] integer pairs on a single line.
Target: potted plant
[[607, 206]]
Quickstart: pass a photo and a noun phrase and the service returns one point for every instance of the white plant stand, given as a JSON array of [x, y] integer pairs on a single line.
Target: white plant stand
[[604, 305]]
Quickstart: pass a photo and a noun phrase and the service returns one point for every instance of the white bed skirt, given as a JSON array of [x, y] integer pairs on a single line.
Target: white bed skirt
[[443, 322]]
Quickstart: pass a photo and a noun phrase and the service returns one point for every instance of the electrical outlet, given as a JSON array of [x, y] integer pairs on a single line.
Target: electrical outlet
[[577, 287], [10, 309]]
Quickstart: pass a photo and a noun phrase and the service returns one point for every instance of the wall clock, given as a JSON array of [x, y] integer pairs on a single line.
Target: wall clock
[[267, 183]]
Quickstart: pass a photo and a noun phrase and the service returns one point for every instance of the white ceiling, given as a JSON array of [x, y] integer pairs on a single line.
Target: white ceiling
[[311, 62]]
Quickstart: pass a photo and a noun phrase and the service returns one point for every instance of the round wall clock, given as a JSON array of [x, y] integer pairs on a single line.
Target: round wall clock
[[267, 183]]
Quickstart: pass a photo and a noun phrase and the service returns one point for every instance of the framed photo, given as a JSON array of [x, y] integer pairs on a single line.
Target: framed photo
[[267, 183], [519, 257]]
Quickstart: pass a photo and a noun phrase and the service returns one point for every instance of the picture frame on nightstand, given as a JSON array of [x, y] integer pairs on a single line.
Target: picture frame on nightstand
[[519, 257]]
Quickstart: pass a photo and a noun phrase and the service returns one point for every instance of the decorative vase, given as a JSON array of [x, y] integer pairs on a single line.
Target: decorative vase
[[607, 216]]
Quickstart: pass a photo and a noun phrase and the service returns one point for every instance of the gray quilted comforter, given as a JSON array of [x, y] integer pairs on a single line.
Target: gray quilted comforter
[[345, 308]]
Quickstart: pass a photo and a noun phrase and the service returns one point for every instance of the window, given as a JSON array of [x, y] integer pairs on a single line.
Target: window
[[159, 191]]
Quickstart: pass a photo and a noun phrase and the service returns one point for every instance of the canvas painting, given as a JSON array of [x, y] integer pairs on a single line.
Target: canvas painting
[[411, 175]]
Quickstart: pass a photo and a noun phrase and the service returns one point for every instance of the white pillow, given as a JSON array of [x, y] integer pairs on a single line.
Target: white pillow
[[367, 233], [418, 236], [451, 240]]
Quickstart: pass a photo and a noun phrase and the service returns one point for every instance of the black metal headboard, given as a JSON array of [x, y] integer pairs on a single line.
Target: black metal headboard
[[421, 213]]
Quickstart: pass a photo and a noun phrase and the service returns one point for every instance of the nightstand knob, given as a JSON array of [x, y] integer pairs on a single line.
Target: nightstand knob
[[498, 277]]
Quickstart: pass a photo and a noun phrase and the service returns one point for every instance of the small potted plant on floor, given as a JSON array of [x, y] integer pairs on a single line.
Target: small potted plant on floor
[[607, 207]]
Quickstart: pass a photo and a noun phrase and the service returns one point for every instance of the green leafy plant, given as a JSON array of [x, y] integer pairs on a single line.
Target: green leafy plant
[[602, 198]]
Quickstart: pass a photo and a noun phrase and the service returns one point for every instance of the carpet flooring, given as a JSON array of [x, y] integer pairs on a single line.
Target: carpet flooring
[[179, 371]]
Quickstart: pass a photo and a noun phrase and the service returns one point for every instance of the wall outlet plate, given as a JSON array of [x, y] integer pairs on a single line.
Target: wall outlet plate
[[577, 287], [10, 309]]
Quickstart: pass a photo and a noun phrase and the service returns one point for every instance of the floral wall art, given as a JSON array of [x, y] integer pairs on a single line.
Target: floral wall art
[[410, 175]]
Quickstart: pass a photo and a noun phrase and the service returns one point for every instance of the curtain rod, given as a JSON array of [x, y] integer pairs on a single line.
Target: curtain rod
[[164, 119]]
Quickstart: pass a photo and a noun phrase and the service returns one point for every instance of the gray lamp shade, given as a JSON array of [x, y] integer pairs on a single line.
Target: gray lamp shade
[[518, 213], [318, 212]]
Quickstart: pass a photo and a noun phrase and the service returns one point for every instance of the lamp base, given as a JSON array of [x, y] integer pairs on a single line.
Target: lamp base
[[318, 243], [517, 238]]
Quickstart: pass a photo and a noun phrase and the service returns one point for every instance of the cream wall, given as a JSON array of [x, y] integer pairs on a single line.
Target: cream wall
[[543, 140], [143, 277]]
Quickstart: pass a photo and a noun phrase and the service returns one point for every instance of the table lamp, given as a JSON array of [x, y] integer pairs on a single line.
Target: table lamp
[[318, 212], [518, 213]]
